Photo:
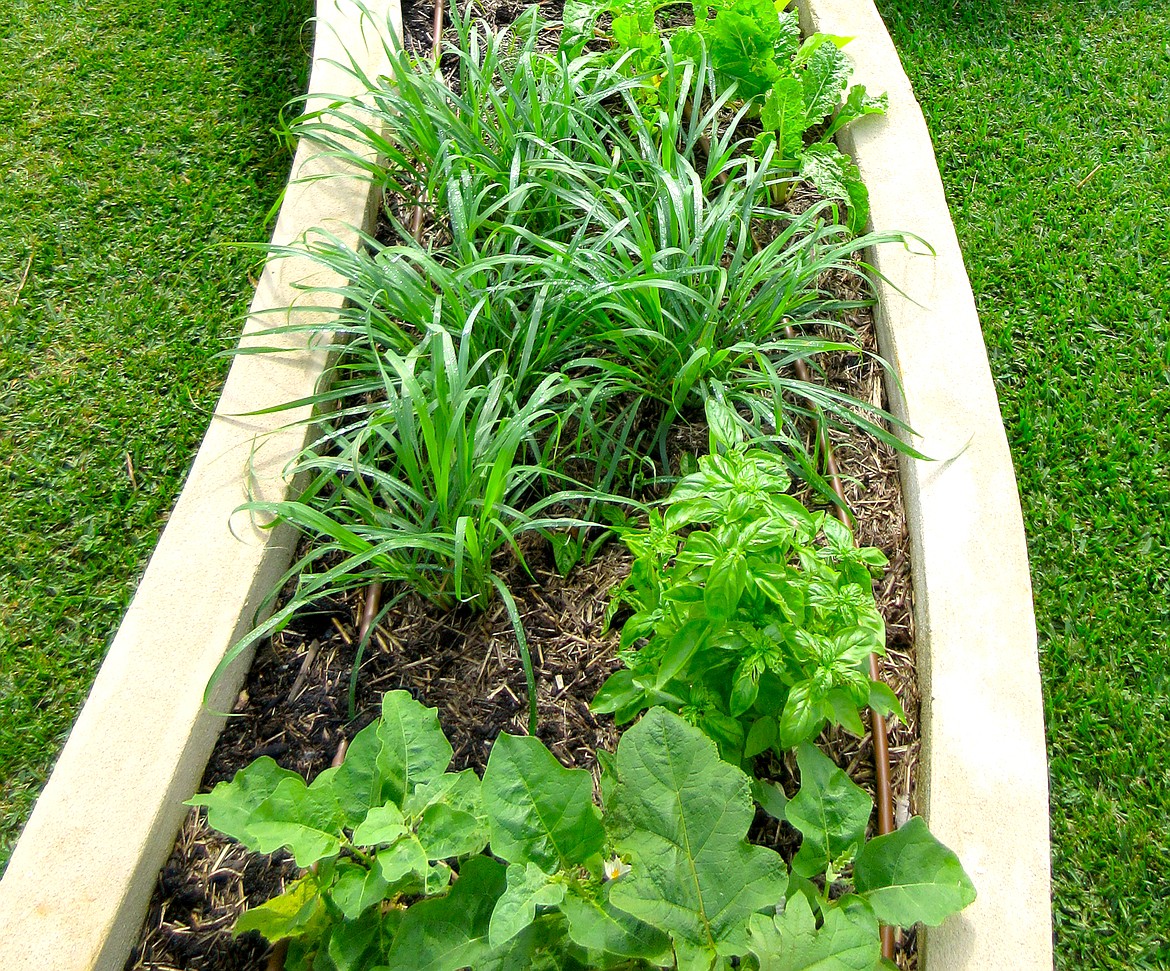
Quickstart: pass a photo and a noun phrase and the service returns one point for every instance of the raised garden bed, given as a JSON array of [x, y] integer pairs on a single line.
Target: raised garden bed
[[972, 606]]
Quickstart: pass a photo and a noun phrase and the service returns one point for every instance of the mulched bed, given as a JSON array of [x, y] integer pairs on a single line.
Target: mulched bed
[[294, 705]]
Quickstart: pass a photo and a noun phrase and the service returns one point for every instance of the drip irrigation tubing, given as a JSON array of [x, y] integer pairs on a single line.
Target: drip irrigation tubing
[[881, 746], [878, 732]]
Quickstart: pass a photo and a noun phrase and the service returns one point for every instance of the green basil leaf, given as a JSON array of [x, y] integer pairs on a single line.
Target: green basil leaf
[[761, 736], [745, 688], [725, 585], [908, 877], [845, 711], [802, 717], [682, 647], [883, 700], [619, 691]]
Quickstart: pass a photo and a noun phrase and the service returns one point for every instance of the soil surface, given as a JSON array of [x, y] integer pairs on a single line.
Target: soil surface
[[294, 706]]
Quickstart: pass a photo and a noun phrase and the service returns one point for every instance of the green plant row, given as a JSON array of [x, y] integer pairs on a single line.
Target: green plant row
[[608, 257], [753, 617], [791, 87], [662, 877]]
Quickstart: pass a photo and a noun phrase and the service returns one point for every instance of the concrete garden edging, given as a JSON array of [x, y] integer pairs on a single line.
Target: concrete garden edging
[[81, 876], [983, 781]]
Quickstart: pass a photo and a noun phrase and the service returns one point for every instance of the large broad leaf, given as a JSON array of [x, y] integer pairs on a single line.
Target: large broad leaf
[[579, 21], [356, 945], [824, 79], [741, 50], [857, 103], [446, 832], [358, 783], [414, 750], [230, 804], [529, 887], [449, 933], [836, 177], [305, 819], [682, 815], [540, 812], [909, 876], [846, 941], [597, 926], [296, 912], [784, 113], [830, 810], [357, 889]]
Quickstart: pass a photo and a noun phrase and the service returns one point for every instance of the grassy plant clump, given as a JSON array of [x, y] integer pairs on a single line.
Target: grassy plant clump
[[589, 277]]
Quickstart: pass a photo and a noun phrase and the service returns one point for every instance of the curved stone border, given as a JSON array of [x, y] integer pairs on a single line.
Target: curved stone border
[[984, 774], [82, 873], [81, 876]]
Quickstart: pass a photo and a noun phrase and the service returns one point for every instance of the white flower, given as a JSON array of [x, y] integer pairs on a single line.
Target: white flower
[[615, 868]]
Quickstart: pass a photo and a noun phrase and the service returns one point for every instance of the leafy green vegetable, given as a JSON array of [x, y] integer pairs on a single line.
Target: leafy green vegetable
[[847, 940], [756, 47], [830, 810], [909, 877], [759, 628], [683, 817], [540, 812]]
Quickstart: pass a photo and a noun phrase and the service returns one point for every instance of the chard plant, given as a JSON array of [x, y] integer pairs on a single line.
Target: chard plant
[[661, 876], [791, 86], [753, 617]]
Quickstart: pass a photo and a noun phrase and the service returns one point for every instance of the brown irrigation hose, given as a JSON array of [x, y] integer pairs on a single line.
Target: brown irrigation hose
[[374, 590], [881, 747], [279, 953]]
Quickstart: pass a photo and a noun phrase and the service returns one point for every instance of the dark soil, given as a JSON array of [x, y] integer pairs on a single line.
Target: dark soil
[[294, 706]]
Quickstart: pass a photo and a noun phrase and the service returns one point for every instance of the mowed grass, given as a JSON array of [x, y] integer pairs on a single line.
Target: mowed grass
[[135, 139], [1052, 129]]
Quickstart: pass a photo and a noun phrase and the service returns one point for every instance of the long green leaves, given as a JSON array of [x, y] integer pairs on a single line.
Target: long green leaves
[[591, 275]]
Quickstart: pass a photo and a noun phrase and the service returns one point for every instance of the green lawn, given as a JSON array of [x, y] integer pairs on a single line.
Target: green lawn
[[135, 138], [1052, 128]]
